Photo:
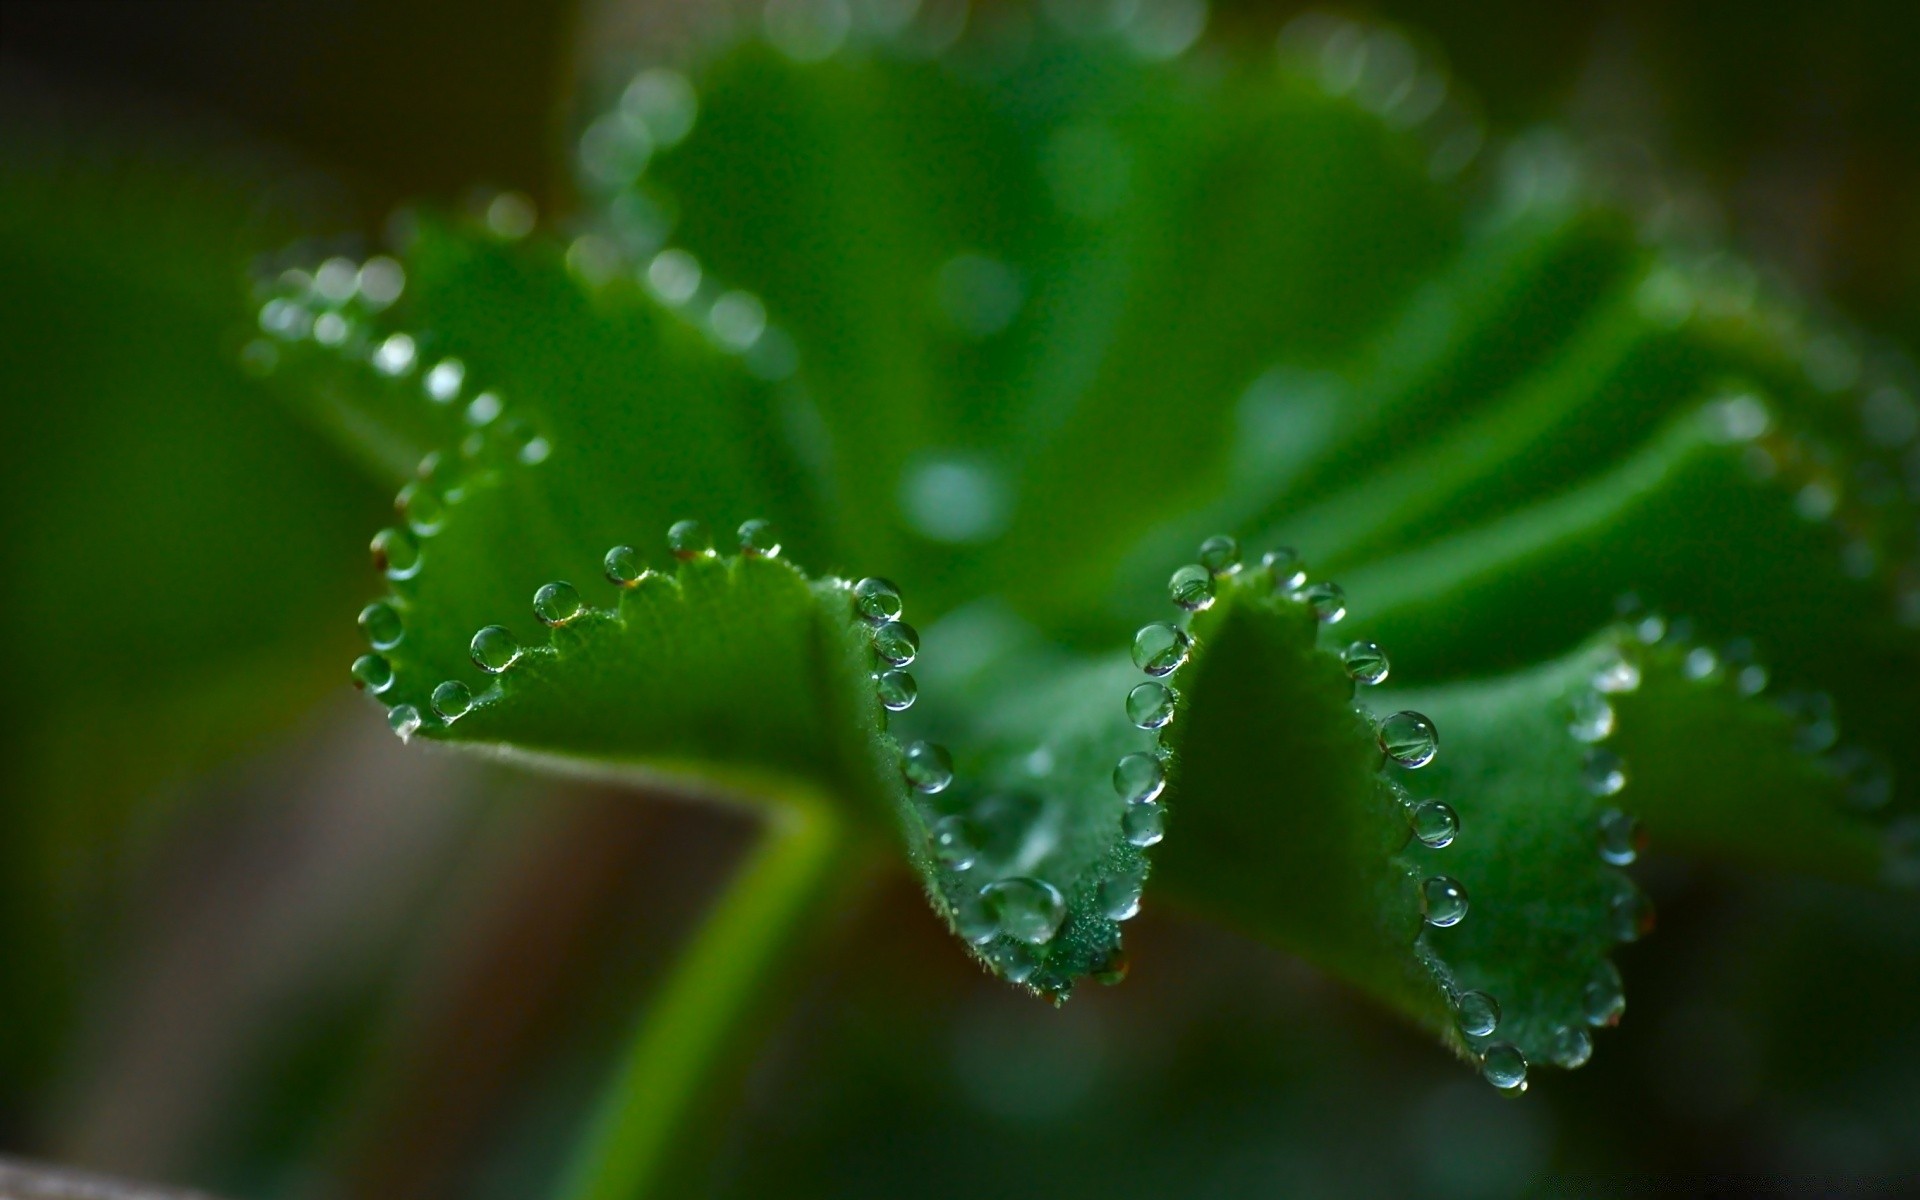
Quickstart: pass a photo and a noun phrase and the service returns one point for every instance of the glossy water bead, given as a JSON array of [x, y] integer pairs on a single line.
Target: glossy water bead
[[1366, 663], [1476, 1013], [1327, 600], [1504, 1066], [928, 767], [689, 540], [425, 514], [372, 673], [1409, 739], [1150, 705], [973, 921], [897, 642], [1592, 718], [1434, 824], [1191, 588], [1620, 837], [1284, 565], [1144, 824], [877, 600], [1119, 895], [1570, 1047], [395, 554], [1139, 778], [380, 621], [1160, 649], [404, 720], [1443, 901], [1604, 999], [1631, 914], [897, 690], [452, 700], [557, 603], [1604, 773], [758, 540], [956, 841], [494, 649], [623, 566], [1617, 675], [1220, 554], [1027, 909]]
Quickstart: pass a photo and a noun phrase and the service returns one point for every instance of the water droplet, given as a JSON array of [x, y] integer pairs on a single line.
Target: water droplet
[[372, 673], [510, 215], [896, 689], [404, 719], [956, 841], [1443, 901], [758, 540], [1150, 705], [381, 281], [1144, 825], [896, 642], [973, 922], [1120, 895], [1504, 1066], [1700, 663], [1604, 998], [674, 276], [1027, 909], [1435, 824], [494, 649], [1616, 676], [1631, 914], [690, 540], [1476, 1013], [1409, 739], [928, 767], [1160, 649], [1752, 680], [557, 603], [1603, 773], [443, 381], [423, 510], [623, 566], [1284, 564], [737, 320], [1570, 1047], [877, 600], [664, 101], [1650, 629], [395, 356], [381, 623], [1620, 837], [1220, 554], [1366, 662], [482, 409], [1139, 778], [1592, 718], [1192, 588], [395, 553], [331, 329], [452, 700], [1015, 961], [1327, 600]]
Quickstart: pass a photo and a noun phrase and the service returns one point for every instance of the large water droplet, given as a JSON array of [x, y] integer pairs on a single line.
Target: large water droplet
[[1604, 774], [1409, 739], [1120, 895], [1616, 675], [1327, 600], [623, 566], [1443, 901], [974, 922], [1220, 554], [381, 623], [452, 700], [1150, 705], [1434, 823], [1139, 778], [928, 767], [424, 512], [557, 603], [897, 690], [372, 673], [689, 540], [1700, 663], [395, 356], [1504, 1066], [1476, 1013], [1620, 837], [1160, 649], [1015, 961], [404, 719], [1592, 718], [443, 381], [1192, 588], [1366, 662], [758, 540], [395, 553], [494, 649], [1027, 909], [1144, 825], [897, 642], [956, 841], [877, 601], [1604, 998], [1284, 564], [1631, 914], [1570, 1047]]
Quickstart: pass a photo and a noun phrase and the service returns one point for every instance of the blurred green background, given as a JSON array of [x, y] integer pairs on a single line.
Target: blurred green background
[[281, 959]]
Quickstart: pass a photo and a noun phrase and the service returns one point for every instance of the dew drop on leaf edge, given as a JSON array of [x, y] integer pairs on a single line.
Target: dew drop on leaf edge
[[494, 649], [1220, 554], [1435, 824], [896, 642], [1409, 738], [928, 767], [381, 623], [1504, 1066], [1443, 901], [1476, 1013], [689, 540], [1144, 825], [897, 690], [1139, 777], [1026, 909], [956, 841], [452, 700], [557, 603], [1160, 649], [758, 539], [1366, 663], [877, 600], [623, 566], [1150, 705], [372, 673], [1191, 588]]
